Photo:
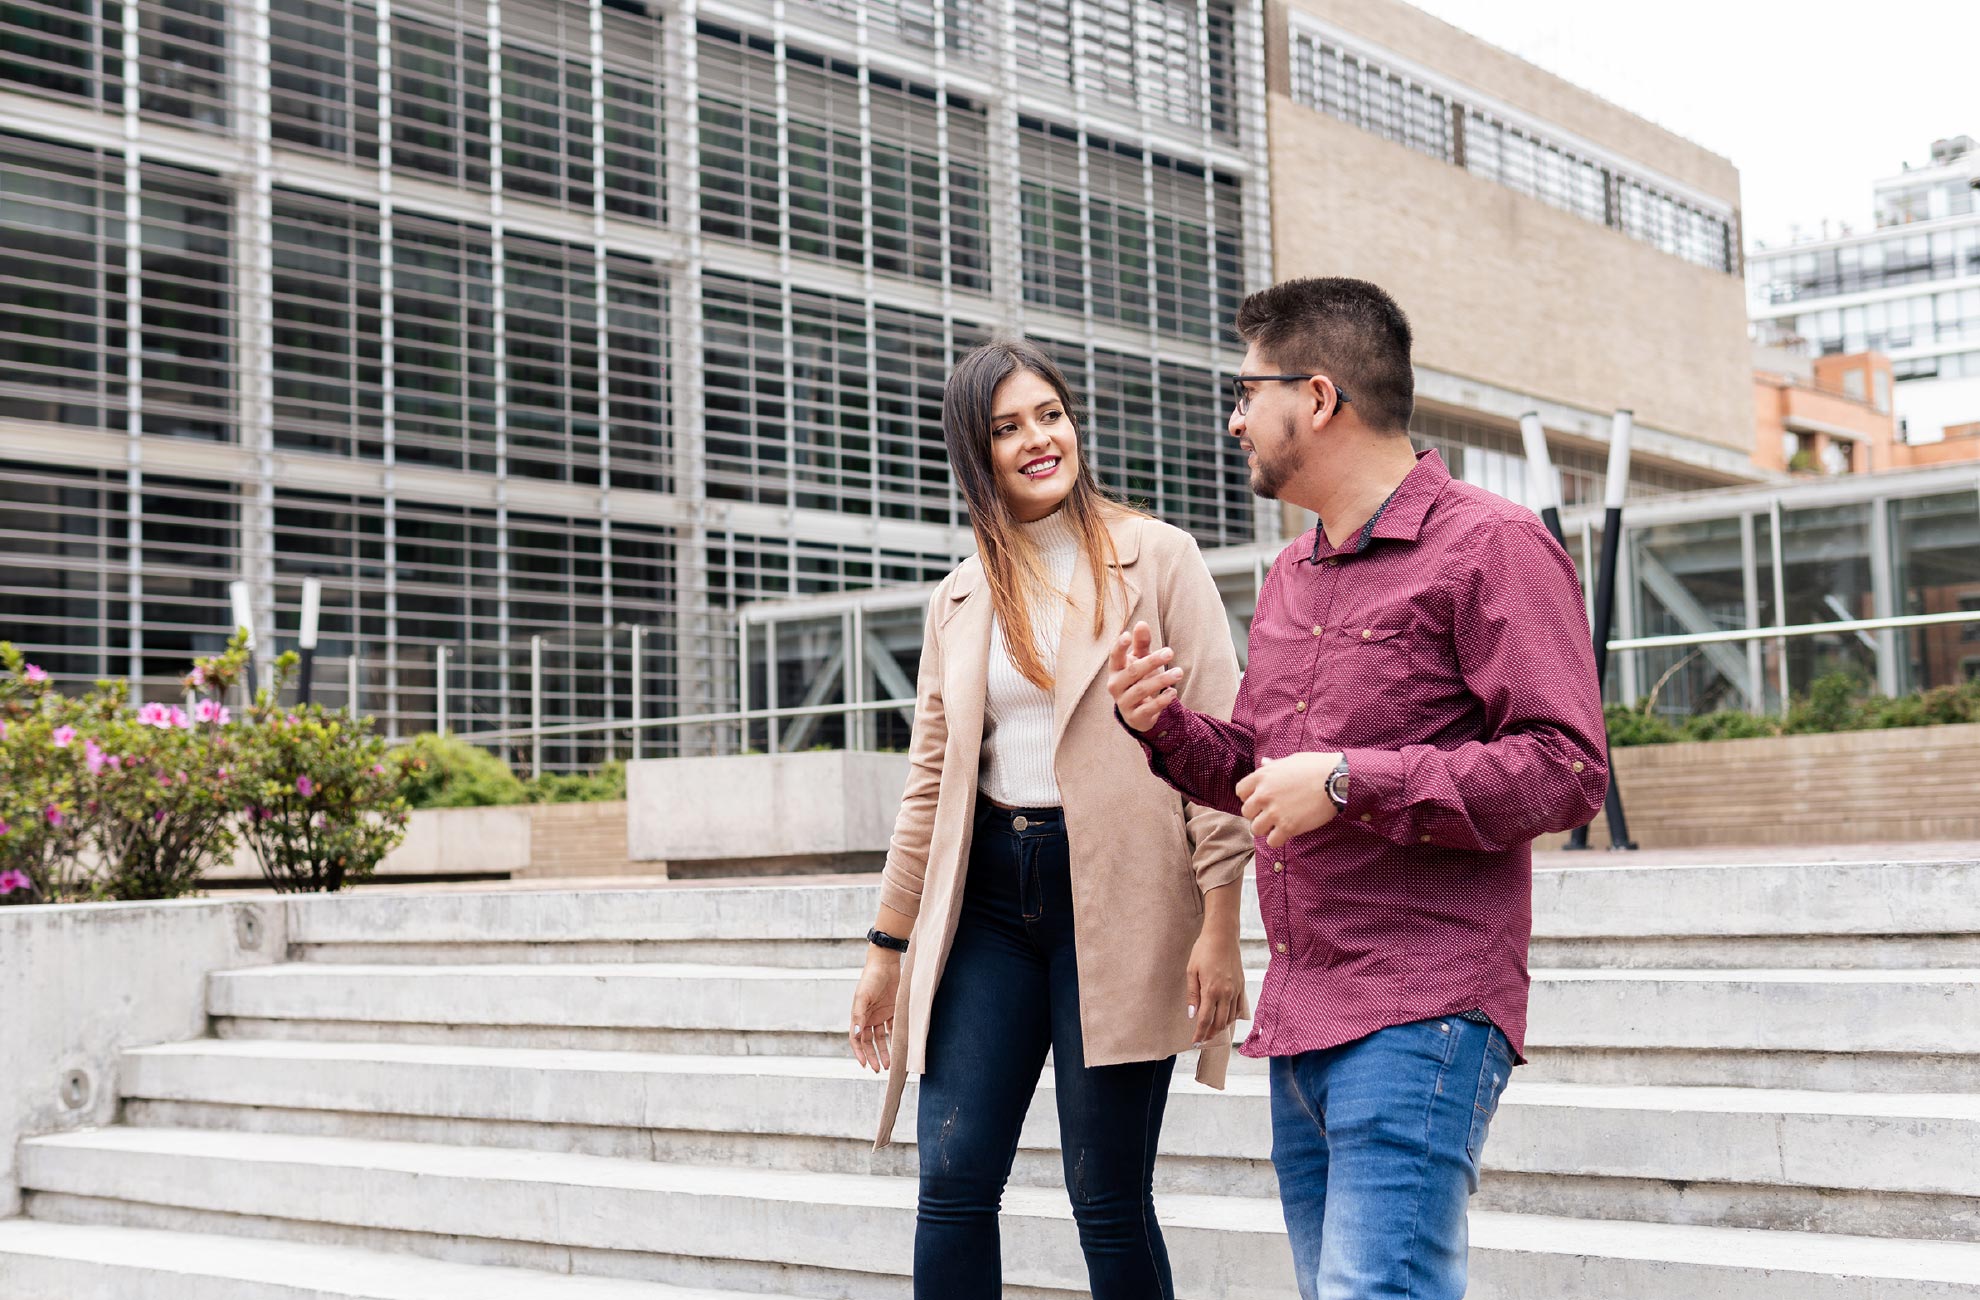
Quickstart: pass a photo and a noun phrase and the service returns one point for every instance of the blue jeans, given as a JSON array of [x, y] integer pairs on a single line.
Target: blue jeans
[[1009, 992], [1377, 1144]]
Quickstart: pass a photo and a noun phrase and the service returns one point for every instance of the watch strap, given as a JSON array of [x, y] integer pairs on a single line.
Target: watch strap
[[881, 939]]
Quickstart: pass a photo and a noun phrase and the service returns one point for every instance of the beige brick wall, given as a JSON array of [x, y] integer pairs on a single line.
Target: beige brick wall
[[1461, 57], [582, 839], [1504, 289], [1857, 787]]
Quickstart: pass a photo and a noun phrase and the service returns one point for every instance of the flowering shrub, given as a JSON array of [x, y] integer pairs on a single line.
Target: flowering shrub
[[45, 811], [98, 800], [319, 797]]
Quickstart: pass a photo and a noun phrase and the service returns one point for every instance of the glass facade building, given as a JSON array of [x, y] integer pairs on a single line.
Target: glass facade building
[[547, 319]]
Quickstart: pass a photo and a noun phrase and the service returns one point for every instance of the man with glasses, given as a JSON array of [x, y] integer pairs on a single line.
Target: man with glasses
[[1419, 705]]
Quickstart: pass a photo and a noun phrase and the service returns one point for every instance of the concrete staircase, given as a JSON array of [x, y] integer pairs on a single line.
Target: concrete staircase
[[1752, 1082]]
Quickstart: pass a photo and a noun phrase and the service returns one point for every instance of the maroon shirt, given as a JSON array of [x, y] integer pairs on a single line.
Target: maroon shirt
[[1446, 652]]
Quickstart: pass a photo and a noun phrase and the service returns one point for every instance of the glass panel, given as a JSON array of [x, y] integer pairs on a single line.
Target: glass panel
[[1690, 579], [1936, 545], [893, 658], [1827, 554]]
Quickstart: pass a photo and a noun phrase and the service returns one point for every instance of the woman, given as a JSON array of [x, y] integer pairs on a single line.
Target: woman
[[1057, 894]]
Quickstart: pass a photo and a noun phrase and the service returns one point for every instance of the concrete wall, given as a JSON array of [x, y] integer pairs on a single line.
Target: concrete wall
[[774, 811], [439, 842], [84, 982], [1502, 288], [1853, 787]]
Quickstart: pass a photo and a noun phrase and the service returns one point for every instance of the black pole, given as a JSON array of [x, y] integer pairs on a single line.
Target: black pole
[[1605, 609], [307, 673]]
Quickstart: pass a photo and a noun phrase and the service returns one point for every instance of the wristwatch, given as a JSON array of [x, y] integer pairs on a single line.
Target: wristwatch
[[881, 939], [1337, 785]]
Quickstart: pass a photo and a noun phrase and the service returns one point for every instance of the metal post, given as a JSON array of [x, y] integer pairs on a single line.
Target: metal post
[[1605, 605], [1543, 486], [861, 724], [440, 689], [238, 591], [351, 682], [535, 707], [1749, 568], [1780, 598], [312, 618], [638, 688]]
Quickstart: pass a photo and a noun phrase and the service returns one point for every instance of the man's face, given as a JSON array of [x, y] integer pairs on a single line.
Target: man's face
[[1269, 427]]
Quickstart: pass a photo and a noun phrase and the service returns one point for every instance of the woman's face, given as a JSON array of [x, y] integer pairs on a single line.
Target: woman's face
[[1034, 449]]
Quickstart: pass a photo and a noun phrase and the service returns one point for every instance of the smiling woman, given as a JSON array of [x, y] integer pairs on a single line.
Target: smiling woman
[[1022, 785]]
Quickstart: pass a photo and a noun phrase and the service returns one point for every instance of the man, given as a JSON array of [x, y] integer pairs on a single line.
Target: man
[[1419, 704]]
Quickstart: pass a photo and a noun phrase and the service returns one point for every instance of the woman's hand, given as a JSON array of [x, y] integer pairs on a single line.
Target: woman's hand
[[1216, 981], [872, 1029]]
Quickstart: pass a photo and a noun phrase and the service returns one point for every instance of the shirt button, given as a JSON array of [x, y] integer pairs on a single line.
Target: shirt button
[[1578, 765], [1299, 707], [1317, 629], [1332, 564], [1278, 866], [1423, 839], [1368, 817], [1280, 946], [1367, 632]]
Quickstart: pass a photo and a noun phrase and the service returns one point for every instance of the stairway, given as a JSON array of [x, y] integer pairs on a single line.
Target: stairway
[[1751, 1082]]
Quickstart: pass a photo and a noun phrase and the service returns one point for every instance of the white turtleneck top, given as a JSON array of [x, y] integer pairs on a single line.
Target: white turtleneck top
[[1015, 767]]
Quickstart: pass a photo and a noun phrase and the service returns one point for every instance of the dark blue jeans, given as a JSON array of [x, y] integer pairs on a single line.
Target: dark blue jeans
[[1009, 992]]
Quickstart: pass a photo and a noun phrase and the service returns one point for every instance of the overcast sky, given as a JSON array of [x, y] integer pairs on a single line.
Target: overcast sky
[[1811, 101]]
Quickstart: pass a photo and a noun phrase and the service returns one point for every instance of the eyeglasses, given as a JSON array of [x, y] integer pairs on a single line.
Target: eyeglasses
[[1243, 394]]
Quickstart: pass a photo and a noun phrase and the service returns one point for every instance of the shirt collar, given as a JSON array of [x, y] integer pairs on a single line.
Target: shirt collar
[[1400, 518]]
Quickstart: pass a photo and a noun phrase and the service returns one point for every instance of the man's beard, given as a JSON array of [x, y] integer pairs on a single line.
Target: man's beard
[[1269, 477]]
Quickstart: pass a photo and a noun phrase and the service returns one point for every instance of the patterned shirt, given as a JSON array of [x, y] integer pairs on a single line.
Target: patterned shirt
[[1445, 651]]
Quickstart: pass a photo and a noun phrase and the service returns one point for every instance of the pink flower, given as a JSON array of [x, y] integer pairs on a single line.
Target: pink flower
[[305, 787], [155, 715], [197, 677], [54, 815], [94, 756], [378, 769], [223, 774], [210, 710], [3, 731], [158, 816], [177, 718], [116, 763], [34, 674], [13, 880], [63, 737], [4, 827]]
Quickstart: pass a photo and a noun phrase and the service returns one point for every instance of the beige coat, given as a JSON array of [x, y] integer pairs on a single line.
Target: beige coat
[[1142, 858]]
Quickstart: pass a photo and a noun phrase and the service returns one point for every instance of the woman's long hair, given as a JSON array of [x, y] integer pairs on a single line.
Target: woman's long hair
[[1012, 563]]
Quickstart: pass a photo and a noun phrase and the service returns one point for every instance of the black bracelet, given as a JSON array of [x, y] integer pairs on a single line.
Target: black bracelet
[[880, 938]]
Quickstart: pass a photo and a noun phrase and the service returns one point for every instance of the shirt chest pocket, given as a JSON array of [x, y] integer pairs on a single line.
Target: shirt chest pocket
[[1370, 662]]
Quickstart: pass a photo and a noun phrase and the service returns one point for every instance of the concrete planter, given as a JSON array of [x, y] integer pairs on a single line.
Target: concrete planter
[[1906, 784], [439, 842], [826, 811], [86, 981]]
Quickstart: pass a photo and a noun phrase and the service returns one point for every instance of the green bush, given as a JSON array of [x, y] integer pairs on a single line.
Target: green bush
[[1628, 726], [448, 772], [606, 785], [319, 797], [1729, 724], [1833, 704]]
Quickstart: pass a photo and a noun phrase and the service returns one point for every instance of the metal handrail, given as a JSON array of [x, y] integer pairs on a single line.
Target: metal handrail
[[882, 706], [691, 720], [1797, 629]]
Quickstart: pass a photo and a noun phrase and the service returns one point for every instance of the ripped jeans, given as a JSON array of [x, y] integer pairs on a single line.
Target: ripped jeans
[[1009, 992]]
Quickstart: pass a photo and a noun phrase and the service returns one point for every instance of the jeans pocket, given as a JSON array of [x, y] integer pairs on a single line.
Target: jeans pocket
[[1494, 1071]]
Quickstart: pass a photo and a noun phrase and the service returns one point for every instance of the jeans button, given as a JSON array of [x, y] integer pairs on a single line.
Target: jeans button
[[1020, 823]]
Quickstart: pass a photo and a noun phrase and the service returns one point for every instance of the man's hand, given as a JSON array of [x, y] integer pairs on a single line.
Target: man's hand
[[1288, 796], [1140, 680]]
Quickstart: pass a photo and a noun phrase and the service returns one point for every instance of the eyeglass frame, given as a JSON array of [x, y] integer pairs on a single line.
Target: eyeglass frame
[[1243, 397]]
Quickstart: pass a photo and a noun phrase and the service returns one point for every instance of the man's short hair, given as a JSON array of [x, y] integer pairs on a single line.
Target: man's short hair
[[1349, 330]]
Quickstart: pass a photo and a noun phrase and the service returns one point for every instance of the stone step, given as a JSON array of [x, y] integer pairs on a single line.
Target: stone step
[[1876, 1165], [1872, 1164], [1828, 914], [830, 1234], [1857, 1011], [83, 1262]]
